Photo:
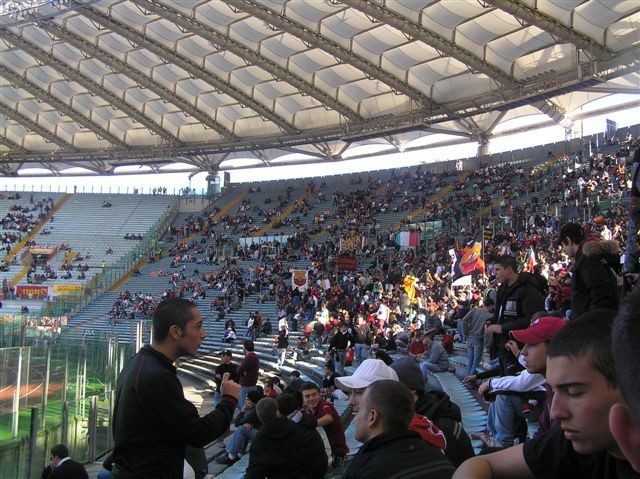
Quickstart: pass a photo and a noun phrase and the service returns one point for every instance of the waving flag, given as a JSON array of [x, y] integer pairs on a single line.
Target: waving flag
[[410, 287], [468, 261], [531, 260]]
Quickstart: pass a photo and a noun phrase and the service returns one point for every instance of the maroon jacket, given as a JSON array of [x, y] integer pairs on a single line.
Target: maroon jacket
[[248, 370]]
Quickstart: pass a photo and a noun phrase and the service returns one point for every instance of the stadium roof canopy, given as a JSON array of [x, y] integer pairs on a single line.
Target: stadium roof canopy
[[98, 84]]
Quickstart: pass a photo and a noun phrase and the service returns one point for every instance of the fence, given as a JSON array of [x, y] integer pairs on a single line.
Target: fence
[[56, 393]]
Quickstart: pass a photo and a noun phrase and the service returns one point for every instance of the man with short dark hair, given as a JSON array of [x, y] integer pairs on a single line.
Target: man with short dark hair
[[225, 366], [389, 449], [580, 369], [62, 466], [517, 300], [152, 420], [296, 382], [275, 452], [315, 447], [362, 338], [248, 371], [594, 284], [338, 347], [624, 418], [328, 418]]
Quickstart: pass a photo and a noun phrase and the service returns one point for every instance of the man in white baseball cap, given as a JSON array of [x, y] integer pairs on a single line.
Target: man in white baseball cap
[[387, 447], [370, 371]]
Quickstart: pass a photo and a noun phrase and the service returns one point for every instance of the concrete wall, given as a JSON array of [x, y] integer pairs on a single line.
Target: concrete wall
[[193, 205]]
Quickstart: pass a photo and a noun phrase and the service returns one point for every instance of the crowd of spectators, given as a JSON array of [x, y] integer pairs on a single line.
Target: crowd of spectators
[[549, 256], [370, 311]]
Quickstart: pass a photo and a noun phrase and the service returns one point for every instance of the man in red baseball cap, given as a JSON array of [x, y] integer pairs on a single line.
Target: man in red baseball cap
[[535, 339], [511, 392]]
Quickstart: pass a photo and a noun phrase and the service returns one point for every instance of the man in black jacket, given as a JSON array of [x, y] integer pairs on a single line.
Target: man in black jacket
[[62, 466], [517, 300], [338, 347], [276, 451], [152, 420], [225, 366], [594, 283], [390, 450], [315, 447]]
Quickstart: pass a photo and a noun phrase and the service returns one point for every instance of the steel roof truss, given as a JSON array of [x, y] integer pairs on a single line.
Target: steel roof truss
[[224, 42], [71, 74], [140, 78], [46, 97], [34, 127]]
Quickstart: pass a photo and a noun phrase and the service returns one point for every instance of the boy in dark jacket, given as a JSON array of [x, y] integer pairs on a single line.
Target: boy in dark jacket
[[517, 300], [314, 446], [594, 283], [437, 407], [275, 452]]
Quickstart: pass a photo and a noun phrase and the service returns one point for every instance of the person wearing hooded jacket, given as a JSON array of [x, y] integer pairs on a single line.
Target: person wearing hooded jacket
[[438, 408], [518, 298], [315, 442], [275, 452], [594, 283]]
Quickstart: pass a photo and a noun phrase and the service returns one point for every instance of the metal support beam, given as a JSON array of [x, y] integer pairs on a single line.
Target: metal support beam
[[226, 43], [12, 144], [613, 90], [495, 122], [140, 78], [59, 105], [71, 74], [554, 112], [502, 100], [554, 27], [310, 37], [420, 32], [9, 169], [34, 127], [188, 65]]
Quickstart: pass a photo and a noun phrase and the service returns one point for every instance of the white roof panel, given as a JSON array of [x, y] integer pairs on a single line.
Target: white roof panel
[[309, 69]]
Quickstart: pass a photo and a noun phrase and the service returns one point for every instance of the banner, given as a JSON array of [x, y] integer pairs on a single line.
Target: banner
[[352, 243], [249, 240], [300, 279], [531, 260], [32, 291], [347, 263], [62, 289], [468, 261], [44, 250]]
